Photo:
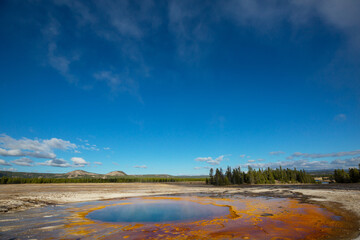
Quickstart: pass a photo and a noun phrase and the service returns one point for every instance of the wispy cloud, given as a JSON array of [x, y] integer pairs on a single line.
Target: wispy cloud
[[125, 28], [276, 153], [59, 62], [340, 15], [90, 147], [309, 165], [141, 166], [323, 155], [190, 27], [340, 117], [198, 168], [98, 163], [127, 18], [210, 160], [117, 82], [121, 25]]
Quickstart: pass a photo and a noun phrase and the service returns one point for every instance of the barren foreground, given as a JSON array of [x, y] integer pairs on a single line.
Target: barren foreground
[[24, 196], [343, 197]]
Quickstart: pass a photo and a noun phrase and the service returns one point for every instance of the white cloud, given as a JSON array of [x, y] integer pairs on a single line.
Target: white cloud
[[142, 166], [4, 163], [56, 143], [11, 153], [242, 155], [78, 161], [23, 162], [210, 160], [260, 159], [251, 161], [276, 153], [55, 163], [107, 148], [33, 148], [98, 163]]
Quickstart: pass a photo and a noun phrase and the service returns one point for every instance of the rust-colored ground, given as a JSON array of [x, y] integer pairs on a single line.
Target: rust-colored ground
[[343, 199], [248, 218]]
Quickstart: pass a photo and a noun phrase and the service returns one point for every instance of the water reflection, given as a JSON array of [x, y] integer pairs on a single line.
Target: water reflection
[[160, 211]]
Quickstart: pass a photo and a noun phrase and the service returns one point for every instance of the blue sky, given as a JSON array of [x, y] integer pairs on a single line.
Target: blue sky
[[179, 86]]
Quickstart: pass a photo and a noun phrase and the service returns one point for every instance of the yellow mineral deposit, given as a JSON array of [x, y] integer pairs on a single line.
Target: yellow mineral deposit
[[247, 218]]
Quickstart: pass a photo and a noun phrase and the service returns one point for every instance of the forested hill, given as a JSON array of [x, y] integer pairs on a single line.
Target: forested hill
[[72, 174], [80, 176], [77, 174]]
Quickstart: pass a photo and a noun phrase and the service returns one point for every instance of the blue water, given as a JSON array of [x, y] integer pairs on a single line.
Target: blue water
[[159, 211]]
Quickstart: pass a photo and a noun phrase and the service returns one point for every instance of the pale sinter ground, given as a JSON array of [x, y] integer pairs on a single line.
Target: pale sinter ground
[[18, 197]]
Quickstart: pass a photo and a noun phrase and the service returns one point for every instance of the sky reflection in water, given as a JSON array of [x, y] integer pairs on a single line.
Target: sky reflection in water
[[162, 211]]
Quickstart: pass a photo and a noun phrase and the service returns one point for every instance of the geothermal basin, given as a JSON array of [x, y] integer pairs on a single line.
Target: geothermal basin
[[182, 217]]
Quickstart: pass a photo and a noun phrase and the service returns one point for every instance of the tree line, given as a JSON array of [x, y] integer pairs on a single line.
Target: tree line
[[260, 176], [20, 180], [352, 176]]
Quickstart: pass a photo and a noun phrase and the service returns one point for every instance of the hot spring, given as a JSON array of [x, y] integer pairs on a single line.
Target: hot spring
[[183, 217], [160, 211]]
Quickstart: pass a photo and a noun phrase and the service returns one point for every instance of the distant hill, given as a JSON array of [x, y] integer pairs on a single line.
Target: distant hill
[[81, 173], [116, 174], [29, 174], [85, 174], [72, 174]]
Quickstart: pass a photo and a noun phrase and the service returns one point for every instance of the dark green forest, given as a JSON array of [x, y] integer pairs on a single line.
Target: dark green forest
[[352, 176], [21, 180], [267, 176], [217, 177]]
